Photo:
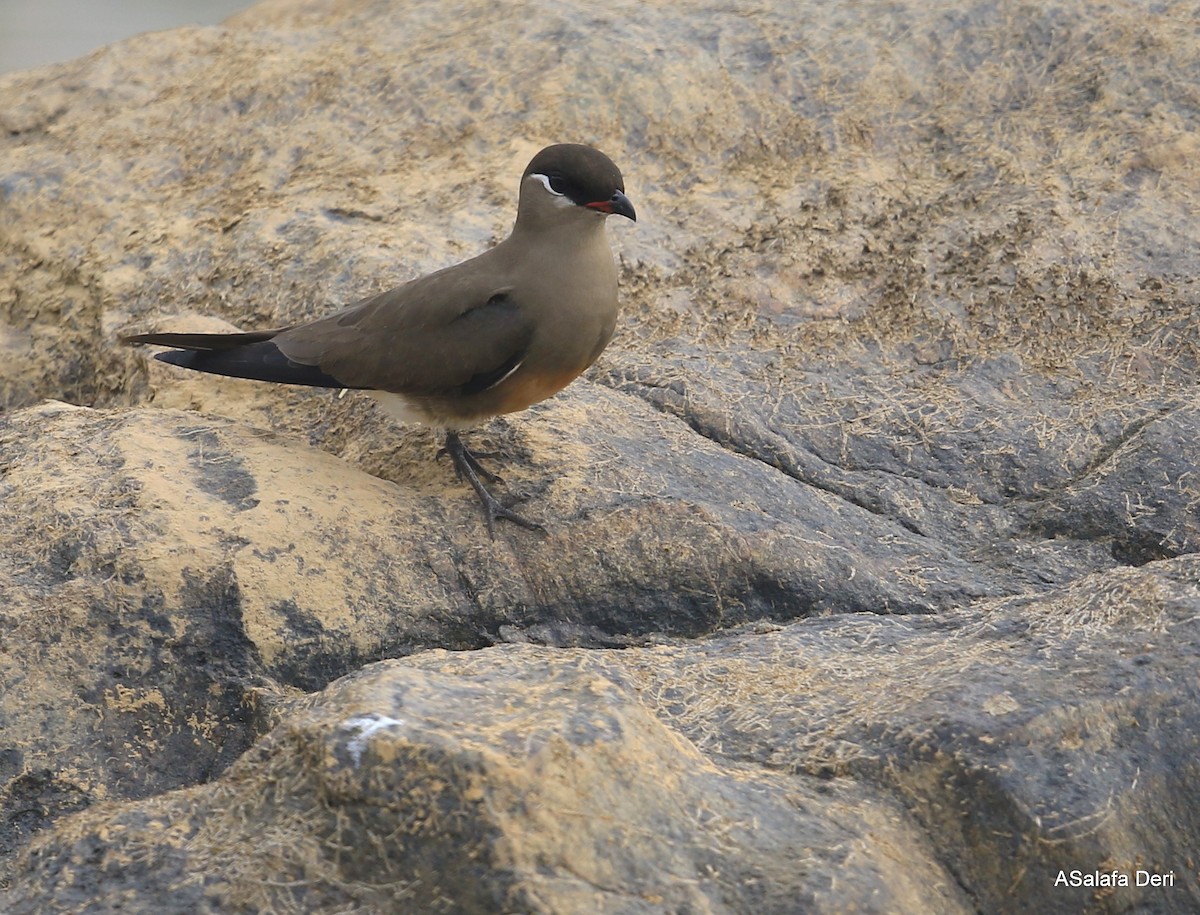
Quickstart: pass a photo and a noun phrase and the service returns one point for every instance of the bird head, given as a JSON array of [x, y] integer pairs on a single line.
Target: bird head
[[570, 177]]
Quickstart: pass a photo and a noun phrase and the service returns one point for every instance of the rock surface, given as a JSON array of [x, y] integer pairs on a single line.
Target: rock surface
[[870, 581]]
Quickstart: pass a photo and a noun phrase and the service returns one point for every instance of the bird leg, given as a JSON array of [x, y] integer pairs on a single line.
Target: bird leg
[[473, 459], [467, 465]]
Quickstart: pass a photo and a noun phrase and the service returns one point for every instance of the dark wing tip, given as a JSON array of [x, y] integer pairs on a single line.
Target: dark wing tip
[[202, 341], [260, 361], [180, 357]]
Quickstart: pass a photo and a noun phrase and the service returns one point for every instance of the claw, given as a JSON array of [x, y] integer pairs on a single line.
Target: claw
[[468, 466]]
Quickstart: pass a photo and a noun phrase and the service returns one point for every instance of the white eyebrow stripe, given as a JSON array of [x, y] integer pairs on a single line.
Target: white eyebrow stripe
[[545, 183]]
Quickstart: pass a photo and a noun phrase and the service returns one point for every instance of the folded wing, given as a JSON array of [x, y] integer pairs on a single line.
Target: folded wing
[[449, 332]]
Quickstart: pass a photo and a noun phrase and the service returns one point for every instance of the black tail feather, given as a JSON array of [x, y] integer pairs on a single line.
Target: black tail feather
[[253, 356]]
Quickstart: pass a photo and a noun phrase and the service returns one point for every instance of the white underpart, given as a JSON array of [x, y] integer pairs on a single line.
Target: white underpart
[[561, 200], [401, 408], [404, 410]]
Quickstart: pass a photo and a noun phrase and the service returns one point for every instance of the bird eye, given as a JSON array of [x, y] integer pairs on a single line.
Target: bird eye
[[553, 183]]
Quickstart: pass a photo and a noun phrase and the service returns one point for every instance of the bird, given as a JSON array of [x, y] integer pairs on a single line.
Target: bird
[[494, 334]]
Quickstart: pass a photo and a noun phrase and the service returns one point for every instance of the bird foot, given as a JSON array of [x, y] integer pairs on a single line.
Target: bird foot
[[466, 465]]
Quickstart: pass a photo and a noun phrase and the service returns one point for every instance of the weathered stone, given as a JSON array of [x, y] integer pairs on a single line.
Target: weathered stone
[[536, 782]]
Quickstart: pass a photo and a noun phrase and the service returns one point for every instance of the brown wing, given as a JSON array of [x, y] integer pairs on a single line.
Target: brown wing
[[457, 330]]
